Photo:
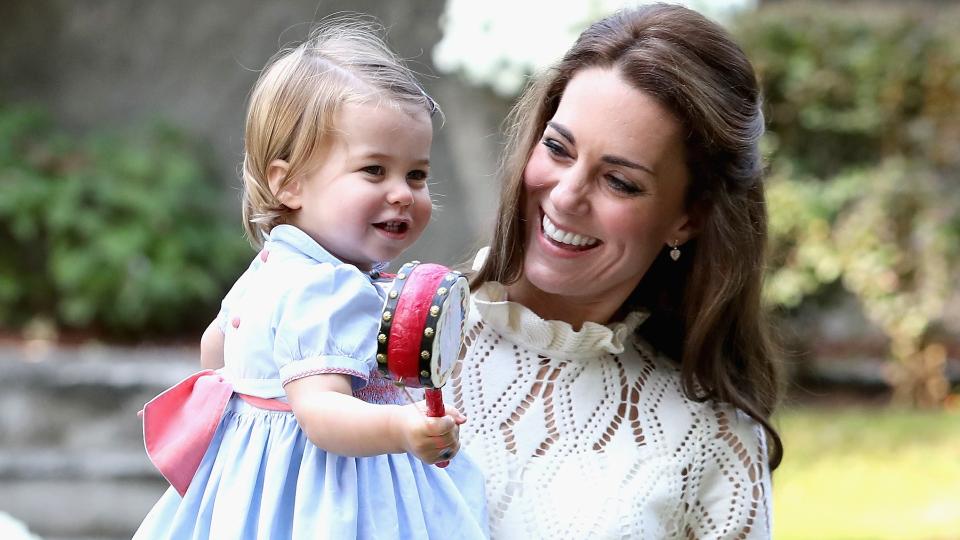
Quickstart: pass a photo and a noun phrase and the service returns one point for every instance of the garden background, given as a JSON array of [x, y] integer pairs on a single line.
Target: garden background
[[120, 137]]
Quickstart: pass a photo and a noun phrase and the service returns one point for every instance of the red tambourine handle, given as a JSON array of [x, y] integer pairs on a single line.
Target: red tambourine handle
[[436, 409]]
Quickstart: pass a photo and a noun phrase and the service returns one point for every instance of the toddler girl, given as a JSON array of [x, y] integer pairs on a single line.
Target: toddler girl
[[297, 436]]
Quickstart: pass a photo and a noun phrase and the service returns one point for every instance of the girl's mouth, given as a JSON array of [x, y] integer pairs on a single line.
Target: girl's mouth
[[393, 227]]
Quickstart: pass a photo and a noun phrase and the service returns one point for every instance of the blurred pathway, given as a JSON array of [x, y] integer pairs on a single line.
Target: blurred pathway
[[72, 464]]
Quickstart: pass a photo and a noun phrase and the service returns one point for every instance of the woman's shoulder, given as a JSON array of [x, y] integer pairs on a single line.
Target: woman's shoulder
[[723, 451], [660, 377]]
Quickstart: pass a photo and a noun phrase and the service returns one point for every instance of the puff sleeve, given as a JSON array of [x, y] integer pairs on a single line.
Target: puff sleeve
[[328, 324], [239, 289]]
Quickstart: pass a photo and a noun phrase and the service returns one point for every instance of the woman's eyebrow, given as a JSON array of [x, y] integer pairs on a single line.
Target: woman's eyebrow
[[623, 162], [564, 132], [613, 160]]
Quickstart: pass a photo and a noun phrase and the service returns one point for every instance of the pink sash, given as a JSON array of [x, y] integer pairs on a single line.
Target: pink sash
[[179, 424]]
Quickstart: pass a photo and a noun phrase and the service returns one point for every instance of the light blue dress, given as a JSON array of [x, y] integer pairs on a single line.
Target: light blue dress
[[298, 311]]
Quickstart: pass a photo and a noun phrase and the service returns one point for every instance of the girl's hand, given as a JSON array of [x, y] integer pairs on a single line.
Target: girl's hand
[[429, 439]]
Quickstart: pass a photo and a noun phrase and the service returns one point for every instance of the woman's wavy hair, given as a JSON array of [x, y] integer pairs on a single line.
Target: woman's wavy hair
[[294, 102], [706, 307]]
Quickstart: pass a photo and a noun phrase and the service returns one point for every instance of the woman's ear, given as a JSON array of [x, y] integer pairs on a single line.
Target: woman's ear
[[287, 192], [688, 225]]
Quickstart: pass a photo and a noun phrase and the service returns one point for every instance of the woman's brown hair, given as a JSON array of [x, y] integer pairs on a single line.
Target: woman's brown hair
[[705, 308]]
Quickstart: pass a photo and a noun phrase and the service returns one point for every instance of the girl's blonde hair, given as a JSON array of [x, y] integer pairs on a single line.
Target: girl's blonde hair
[[295, 100]]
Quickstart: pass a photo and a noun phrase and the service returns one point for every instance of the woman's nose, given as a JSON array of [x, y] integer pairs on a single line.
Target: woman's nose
[[569, 195]]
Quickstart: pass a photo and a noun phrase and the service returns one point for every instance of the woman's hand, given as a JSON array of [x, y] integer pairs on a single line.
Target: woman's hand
[[429, 439]]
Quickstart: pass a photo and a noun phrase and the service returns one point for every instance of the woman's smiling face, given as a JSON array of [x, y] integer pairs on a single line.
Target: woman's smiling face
[[604, 191]]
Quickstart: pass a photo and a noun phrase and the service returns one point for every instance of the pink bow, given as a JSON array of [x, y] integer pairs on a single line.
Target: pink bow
[[179, 424]]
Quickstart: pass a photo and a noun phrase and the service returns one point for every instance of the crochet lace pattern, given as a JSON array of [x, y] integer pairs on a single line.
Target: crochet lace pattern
[[588, 434]]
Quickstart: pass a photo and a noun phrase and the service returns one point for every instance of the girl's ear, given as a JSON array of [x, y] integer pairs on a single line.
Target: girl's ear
[[287, 192]]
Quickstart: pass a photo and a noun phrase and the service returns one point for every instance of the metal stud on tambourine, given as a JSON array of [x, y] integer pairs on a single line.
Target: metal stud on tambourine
[[422, 328]]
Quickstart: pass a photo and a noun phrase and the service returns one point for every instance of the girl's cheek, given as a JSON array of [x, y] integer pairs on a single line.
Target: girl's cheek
[[423, 206]]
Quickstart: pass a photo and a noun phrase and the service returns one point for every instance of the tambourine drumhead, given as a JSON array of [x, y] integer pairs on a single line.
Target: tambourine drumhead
[[422, 324], [450, 332]]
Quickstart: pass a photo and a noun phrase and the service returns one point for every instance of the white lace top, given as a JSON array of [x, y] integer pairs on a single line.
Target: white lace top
[[588, 434]]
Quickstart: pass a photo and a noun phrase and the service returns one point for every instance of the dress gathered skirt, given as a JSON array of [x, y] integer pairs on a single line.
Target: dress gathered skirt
[[261, 478]]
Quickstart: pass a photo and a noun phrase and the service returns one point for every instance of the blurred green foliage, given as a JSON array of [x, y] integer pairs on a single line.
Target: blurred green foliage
[[111, 235], [851, 84], [863, 106]]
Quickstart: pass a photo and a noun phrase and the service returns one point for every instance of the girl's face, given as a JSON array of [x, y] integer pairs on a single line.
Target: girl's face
[[368, 200], [604, 191]]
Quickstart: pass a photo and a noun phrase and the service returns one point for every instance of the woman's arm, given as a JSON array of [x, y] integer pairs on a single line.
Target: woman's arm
[[337, 422], [211, 347], [732, 497]]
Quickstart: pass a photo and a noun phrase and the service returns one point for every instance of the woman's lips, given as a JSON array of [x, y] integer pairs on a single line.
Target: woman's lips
[[563, 239]]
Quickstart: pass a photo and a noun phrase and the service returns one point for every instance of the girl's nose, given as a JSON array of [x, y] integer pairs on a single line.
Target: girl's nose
[[399, 193], [569, 194]]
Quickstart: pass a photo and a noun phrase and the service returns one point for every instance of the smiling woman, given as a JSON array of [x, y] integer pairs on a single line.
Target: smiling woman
[[604, 192], [615, 342]]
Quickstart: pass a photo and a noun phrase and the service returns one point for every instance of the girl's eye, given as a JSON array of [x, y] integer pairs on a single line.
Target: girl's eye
[[554, 147], [417, 175], [622, 186], [374, 170]]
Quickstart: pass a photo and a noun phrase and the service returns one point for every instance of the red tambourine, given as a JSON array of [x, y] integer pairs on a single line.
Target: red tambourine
[[422, 328]]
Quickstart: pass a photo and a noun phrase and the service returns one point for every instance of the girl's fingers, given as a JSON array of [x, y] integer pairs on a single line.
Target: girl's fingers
[[446, 440], [454, 413], [447, 453], [439, 436], [438, 427]]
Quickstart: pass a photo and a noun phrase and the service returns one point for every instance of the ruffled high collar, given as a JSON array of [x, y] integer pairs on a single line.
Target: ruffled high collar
[[550, 337]]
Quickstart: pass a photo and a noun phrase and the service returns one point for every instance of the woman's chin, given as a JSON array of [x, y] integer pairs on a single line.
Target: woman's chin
[[544, 279]]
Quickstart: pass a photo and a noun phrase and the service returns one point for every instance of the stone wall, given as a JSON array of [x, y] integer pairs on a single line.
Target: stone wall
[[72, 463]]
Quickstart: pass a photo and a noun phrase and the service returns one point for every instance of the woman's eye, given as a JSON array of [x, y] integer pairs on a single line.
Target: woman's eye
[[374, 170], [417, 175], [622, 186], [555, 148]]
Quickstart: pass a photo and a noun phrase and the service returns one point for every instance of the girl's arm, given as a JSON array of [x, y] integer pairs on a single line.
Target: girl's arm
[[211, 347], [337, 422]]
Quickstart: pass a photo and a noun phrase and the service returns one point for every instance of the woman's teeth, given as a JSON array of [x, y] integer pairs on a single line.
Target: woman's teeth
[[565, 237]]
